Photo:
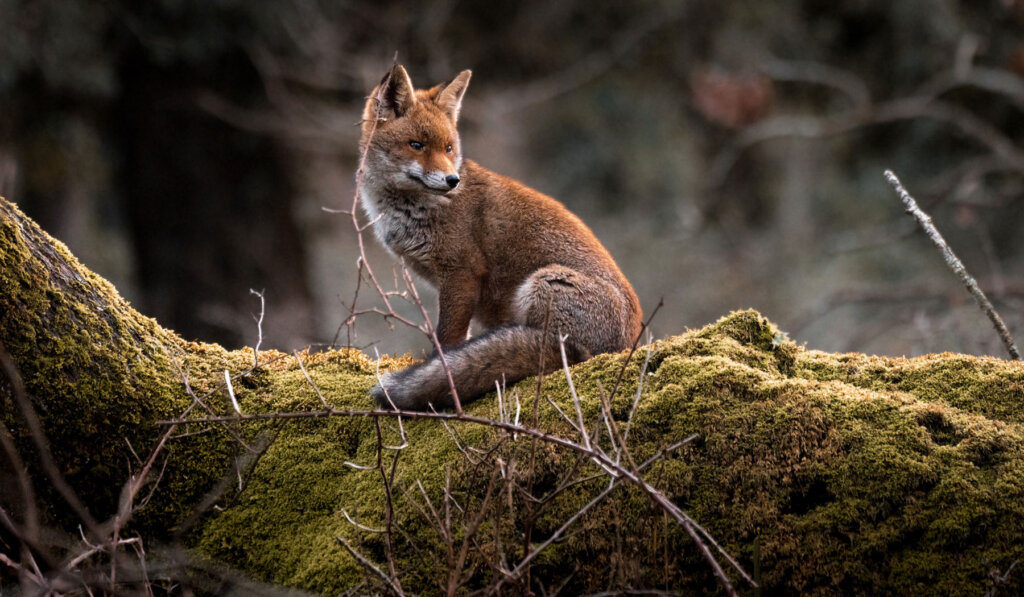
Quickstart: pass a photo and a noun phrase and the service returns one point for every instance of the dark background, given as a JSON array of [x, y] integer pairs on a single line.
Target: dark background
[[729, 154]]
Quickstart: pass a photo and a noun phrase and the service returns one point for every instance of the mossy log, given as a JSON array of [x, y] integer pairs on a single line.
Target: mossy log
[[824, 473]]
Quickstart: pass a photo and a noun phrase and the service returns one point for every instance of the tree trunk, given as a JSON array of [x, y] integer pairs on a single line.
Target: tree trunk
[[97, 374], [825, 473]]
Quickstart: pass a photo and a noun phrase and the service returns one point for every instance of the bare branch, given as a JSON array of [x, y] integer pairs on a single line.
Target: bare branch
[[231, 391], [42, 445], [310, 380], [514, 573], [360, 526], [954, 264], [389, 512], [639, 388], [391, 584], [821, 74], [897, 110], [572, 392], [432, 334]]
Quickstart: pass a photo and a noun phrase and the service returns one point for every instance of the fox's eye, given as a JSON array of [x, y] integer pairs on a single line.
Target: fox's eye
[[416, 145], [448, 148]]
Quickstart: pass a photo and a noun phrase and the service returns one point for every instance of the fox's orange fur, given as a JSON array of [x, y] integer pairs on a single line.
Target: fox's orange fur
[[501, 254]]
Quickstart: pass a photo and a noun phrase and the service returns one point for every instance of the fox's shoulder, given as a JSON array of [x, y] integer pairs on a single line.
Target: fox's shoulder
[[491, 186], [508, 211], [478, 177]]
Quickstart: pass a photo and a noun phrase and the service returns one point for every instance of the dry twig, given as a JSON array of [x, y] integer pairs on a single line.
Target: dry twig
[[954, 264]]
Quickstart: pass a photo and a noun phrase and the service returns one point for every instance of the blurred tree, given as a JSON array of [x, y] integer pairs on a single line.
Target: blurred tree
[[187, 145], [100, 110]]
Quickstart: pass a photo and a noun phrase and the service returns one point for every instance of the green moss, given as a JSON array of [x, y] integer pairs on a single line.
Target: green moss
[[98, 375], [846, 485], [841, 474], [982, 385]]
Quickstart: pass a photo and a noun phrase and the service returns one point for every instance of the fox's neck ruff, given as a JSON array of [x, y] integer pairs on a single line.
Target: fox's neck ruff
[[402, 219]]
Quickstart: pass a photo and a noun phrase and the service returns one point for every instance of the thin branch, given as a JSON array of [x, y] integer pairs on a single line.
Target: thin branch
[[897, 110], [632, 350], [572, 392], [231, 390], [259, 333], [852, 86], [613, 430], [388, 506], [42, 445], [580, 72], [432, 334], [639, 388], [310, 380], [397, 590], [565, 417], [455, 574], [954, 264], [356, 524]]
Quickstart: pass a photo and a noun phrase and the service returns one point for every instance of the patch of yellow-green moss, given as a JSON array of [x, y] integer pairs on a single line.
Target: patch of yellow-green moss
[[891, 485], [831, 474], [98, 375], [984, 385]]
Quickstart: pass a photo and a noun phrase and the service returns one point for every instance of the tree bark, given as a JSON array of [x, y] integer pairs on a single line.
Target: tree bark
[[97, 374]]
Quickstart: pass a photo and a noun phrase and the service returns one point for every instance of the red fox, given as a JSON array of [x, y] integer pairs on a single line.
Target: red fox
[[511, 259]]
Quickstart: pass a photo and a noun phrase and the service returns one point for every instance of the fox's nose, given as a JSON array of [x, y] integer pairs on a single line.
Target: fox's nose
[[452, 180]]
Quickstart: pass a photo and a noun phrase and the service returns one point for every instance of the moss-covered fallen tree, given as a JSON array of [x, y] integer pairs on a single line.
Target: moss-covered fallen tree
[[820, 473]]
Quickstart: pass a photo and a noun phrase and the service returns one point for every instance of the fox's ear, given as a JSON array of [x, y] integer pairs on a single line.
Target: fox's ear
[[395, 92], [450, 98]]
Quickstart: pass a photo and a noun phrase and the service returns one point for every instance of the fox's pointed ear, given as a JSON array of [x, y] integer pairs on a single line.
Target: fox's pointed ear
[[395, 92], [450, 98]]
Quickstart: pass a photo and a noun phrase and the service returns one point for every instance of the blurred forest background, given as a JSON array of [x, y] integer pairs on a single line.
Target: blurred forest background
[[728, 153]]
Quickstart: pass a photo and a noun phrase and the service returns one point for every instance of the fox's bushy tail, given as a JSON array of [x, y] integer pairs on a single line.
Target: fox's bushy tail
[[509, 353]]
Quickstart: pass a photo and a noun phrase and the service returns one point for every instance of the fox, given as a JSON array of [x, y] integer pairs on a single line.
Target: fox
[[510, 260]]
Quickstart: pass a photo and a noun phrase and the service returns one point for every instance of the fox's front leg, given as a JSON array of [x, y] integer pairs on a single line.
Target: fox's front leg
[[458, 295]]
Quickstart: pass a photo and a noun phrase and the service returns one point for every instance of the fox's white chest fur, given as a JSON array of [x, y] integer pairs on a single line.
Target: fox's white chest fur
[[402, 225]]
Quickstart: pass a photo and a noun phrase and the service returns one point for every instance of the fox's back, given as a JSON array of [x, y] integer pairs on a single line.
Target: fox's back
[[519, 230]]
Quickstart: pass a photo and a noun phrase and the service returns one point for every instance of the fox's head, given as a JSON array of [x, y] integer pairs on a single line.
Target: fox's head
[[411, 133]]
